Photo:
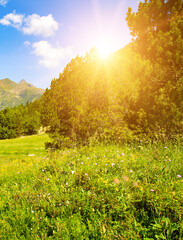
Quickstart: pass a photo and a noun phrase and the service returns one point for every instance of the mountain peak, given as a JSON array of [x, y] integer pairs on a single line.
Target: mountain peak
[[13, 94], [7, 84], [22, 81]]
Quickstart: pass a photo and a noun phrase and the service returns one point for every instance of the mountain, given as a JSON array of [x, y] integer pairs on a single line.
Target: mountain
[[13, 94]]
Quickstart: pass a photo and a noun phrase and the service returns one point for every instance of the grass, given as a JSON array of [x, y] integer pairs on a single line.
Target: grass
[[101, 192]]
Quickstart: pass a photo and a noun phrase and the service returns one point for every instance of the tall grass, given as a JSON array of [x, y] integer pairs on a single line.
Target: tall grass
[[101, 192]]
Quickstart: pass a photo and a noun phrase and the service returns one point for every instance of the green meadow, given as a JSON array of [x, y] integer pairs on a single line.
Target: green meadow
[[96, 192]]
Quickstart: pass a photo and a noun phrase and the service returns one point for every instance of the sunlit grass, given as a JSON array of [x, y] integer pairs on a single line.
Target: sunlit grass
[[21, 153], [102, 192]]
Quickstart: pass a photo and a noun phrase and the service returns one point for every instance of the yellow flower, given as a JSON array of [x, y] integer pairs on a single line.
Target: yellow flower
[[141, 188]]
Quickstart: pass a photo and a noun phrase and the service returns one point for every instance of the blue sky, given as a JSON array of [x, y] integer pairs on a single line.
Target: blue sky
[[39, 37]]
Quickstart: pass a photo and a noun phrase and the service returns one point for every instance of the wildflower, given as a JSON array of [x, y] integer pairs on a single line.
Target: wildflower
[[125, 178], [81, 162], [95, 163], [95, 156], [105, 169], [116, 181], [47, 179], [122, 154], [131, 171], [141, 188], [179, 176], [136, 184], [112, 164], [152, 190], [66, 183], [165, 147], [86, 174], [88, 158], [31, 155], [43, 170], [72, 172], [121, 160]]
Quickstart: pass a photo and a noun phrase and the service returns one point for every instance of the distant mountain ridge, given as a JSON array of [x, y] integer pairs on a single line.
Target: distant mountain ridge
[[13, 94]]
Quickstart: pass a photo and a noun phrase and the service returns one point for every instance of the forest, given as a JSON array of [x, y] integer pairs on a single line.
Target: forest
[[135, 94]]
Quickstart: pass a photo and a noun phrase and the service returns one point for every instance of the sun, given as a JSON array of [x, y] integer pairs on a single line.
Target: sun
[[104, 48]]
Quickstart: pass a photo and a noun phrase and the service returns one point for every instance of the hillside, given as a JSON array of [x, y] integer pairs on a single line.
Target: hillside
[[13, 94]]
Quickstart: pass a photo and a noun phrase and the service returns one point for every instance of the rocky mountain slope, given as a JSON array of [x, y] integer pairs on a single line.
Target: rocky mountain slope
[[13, 94]]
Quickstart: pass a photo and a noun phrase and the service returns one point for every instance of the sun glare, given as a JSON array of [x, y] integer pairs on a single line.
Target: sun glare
[[104, 49]]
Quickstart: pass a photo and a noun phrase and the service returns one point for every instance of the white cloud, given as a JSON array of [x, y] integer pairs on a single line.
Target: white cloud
[[33, 24], [50, 57], [26, 43], [36, 25], [3, 2], [12, 19]]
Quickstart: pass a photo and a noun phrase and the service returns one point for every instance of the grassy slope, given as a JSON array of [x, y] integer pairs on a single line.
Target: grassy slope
[[105, 192]]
